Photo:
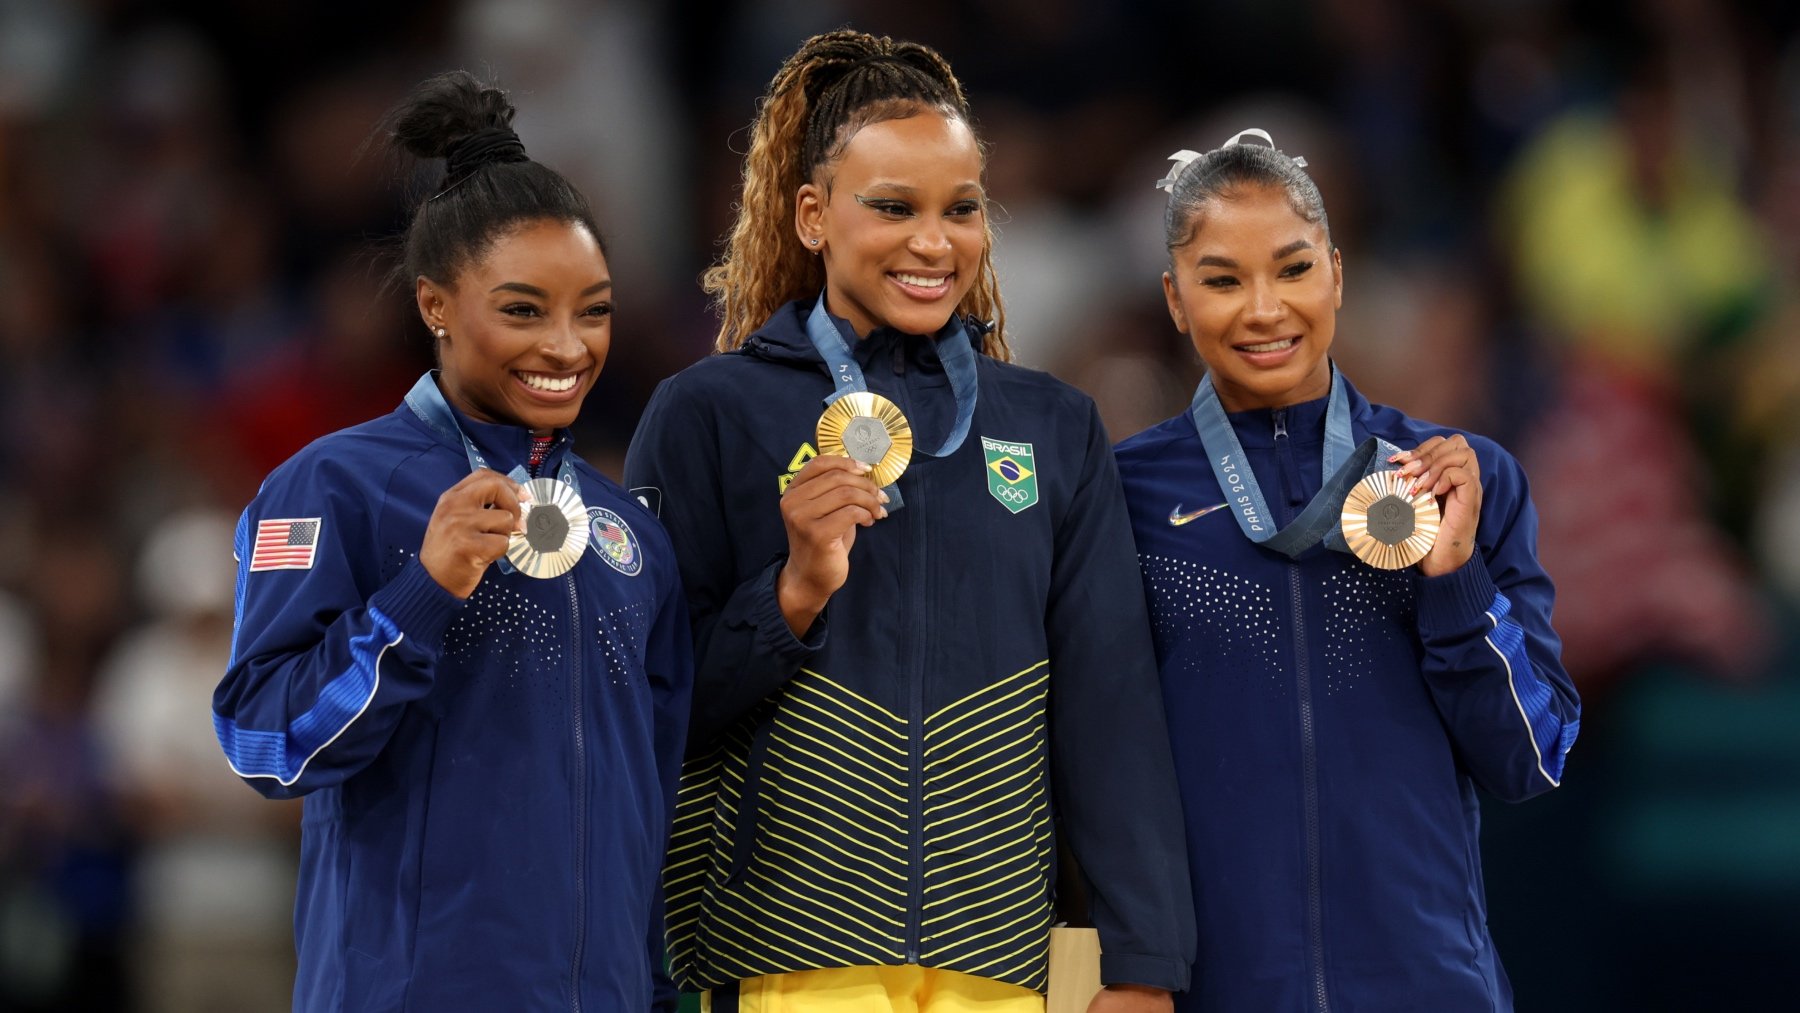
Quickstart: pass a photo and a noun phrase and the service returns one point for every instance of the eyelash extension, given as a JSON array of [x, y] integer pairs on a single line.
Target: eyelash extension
[[889, 206]]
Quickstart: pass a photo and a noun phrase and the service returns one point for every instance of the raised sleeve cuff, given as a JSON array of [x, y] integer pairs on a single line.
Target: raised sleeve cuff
[[1456, 600], [774, 636], [1143, 969], [418, 605]]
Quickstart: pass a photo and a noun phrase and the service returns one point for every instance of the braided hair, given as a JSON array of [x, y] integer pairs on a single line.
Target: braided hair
[[490, 186], [832, 87]]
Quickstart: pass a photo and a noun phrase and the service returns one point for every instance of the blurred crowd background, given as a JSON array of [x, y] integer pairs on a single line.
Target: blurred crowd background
[[1574, 226]]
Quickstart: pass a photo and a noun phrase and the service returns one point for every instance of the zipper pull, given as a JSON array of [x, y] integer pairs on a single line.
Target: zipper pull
[[1281, 423]]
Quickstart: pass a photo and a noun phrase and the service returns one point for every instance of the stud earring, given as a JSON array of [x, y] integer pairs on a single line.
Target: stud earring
[[439, 331], [815, 242]]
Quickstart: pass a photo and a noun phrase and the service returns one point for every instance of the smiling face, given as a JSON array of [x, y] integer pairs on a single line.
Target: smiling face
[[526, 326], [1257, 290], [900, 223]]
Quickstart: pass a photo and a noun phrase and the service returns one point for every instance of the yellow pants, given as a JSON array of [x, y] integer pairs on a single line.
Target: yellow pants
[[908, 988]]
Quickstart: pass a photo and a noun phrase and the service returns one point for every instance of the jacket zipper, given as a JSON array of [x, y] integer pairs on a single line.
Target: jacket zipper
[[1309, 786], [580, 796], [1309, 749], [912, 583]]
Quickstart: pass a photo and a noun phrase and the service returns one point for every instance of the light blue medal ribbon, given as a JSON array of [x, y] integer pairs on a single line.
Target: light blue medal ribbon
[[1345, 464], [427, 402], [957, 354]]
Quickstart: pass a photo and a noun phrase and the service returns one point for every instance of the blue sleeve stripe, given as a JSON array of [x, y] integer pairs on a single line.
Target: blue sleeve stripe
[[1530, 694], [284, 755], [240, 548]]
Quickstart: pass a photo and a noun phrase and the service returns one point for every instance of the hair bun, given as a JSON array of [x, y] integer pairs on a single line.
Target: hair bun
[[487, 146], [447, 111]]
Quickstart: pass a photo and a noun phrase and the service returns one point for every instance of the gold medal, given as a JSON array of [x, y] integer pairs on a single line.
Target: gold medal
[[556, 530], [1385, 527], [868, 428]]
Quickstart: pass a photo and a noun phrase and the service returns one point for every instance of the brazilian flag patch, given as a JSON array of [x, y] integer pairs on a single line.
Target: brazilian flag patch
[[1012, 473]]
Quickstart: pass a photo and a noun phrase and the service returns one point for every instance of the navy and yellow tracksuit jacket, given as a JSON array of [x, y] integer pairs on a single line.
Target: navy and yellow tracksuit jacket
[[883, 792], [1332, 723], [488, 782]]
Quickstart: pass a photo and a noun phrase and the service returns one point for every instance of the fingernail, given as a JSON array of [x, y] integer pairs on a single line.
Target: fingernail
[[881, 513], [881, 496], [861, 468]]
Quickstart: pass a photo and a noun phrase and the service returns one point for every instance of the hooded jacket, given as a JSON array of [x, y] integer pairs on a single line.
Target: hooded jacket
[[1332, 722], [488, 782], [883, 792]]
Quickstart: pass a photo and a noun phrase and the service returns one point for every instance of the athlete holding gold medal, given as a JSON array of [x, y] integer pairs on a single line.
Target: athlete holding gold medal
[[1351, 622], [462, 644], [919, 626]]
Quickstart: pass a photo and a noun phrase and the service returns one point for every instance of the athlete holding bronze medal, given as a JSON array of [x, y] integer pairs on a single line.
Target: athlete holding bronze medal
[[1342, 665], [916, 607], [462, 644]]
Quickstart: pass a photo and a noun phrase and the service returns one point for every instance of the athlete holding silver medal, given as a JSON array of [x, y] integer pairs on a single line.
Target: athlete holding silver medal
[[462, 644]]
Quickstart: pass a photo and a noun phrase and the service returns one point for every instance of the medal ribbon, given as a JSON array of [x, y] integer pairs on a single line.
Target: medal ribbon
[[1345, 464], [427, 402], [958, 357]]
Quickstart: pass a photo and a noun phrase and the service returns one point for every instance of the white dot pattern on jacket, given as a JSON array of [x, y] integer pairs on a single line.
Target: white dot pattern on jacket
[[1368, 611], [622, 634], [1235, 616]]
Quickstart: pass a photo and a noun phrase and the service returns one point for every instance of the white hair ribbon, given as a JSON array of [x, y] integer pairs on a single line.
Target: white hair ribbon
[[1182, 160], [1185, 157]]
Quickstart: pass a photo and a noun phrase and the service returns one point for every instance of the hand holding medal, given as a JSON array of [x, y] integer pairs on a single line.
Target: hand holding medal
[[1448, 470], [470, 528]]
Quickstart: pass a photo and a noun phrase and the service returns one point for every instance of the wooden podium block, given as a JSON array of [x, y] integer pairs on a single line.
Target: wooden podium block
[[1074, 970]]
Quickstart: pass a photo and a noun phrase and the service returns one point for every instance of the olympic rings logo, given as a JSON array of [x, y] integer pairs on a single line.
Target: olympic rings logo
[[1012, 495]]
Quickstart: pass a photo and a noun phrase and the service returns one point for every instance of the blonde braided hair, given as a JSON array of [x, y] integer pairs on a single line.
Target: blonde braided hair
[[833, 85]]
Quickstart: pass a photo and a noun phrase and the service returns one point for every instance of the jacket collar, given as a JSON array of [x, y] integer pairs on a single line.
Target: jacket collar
[[783, 339]]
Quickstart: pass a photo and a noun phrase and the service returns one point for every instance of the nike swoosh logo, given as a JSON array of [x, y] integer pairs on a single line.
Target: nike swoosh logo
[[1177, 518]]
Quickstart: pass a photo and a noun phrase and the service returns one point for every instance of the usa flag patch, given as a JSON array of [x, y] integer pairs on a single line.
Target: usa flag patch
[[287, 544]]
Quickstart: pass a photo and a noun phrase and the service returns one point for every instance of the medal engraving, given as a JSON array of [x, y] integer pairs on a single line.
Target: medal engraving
[[869, 428], [546, 528], [1391, 520], [866, 440], [1385, 527]]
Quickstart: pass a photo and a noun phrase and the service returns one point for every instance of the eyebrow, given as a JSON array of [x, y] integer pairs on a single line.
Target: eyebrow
[[1282, 254], [533, 290], [902, 190]]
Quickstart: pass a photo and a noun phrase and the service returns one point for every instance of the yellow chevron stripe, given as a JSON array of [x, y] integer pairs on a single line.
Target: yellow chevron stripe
[[864, 744], [836, 836], [821, 954], [1037, 935], [1028, 767], [985, 689], [897, 894], [1036, 788], [1031, 699], [817, 780], [837, 917], [779, 737], [838, 710], [757, 943], [1026, 723], [1034, 887], [846, 693]]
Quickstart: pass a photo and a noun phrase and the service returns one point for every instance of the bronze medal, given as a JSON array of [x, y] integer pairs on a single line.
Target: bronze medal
[[869, 428], [555, 531], [1385, 527]]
